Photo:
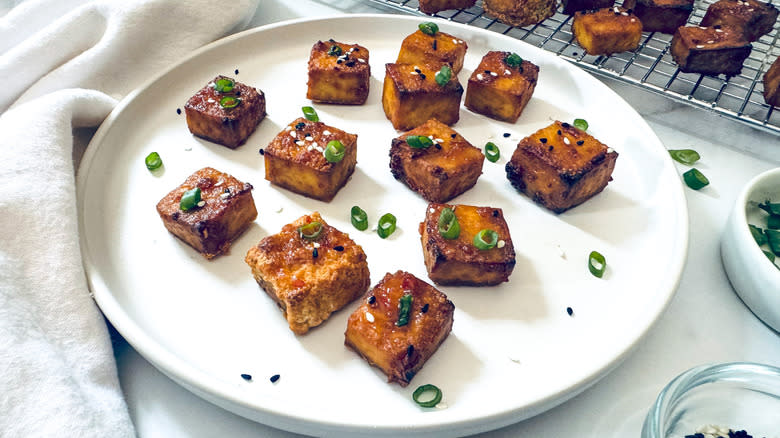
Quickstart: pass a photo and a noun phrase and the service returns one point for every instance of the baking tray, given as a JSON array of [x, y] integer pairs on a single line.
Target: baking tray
[[649, 67]]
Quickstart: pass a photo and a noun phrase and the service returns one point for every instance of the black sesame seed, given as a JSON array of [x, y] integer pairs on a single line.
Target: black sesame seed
[[175, 215], [717, 26], [453, 135], [331, 40], [410, 350], [574, 54], [565, 125], [424, 308], [236, 71], [338, 248], [550, 148], [422, 75], [178, 110], [409, 375], [299, 126], [238, 92], [246, 376], [339, 61], [630, 11], [543, 140], [487, 72], [315, 253], [506, 134], [570, 311], [559, 132], [227, 190], [438, 146], [262, 152], [495, 213], [371, 299], [434, 45], [356, 49], [350, 63], [274, 378], [580, 142], [417, 70]]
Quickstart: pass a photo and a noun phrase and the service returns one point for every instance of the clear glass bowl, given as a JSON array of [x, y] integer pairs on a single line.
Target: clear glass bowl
[[737, 396]]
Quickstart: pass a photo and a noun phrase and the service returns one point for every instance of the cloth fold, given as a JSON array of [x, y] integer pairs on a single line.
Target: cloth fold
[[66, 63]]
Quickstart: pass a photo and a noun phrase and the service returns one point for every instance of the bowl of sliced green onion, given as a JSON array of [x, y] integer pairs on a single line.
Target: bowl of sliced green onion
[[750, 247]]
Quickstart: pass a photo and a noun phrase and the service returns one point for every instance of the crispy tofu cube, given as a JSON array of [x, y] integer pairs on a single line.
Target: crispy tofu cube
[[499, 90], [309, 278], [520, 12], [772, 84], [753, 17], [400, 346], [440, 172], [338, 73], [434, 6], [225, 211], [607, 31], [411, 96], [710, 50], [560, 166], [572, 6], [433, 50], [661, 15], [215, 116], [457, 261], [295, 160]]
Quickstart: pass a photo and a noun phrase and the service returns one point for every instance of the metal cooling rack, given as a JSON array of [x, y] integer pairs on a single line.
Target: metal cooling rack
[[650, 66]]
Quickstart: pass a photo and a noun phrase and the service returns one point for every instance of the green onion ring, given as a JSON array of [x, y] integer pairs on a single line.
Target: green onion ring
[[444, 75], [513, 60], [334, 151], [310, 231], [695, 179], [581, 124], [153, 161], [419, 141], [229, 102], [334, 50], [449, 228], [359, 218], [310, 114], [224, 85], [425, 389], [486, 239], [190, 199], [404, 308], [491, 152], [684, 156], [597, 264], [386, 225], [428, 28]]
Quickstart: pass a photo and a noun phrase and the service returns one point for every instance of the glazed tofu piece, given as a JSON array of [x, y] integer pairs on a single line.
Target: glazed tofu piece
[[434, 6], [225, 111], [753, 17], [499, 88], [399, 325], [663, 16], [710, 50], [310, 269], [455, 260], [607, 31], [411, 96], [772, 84], [560, 166], [572, 6], [445, 167], [520, 12], [434, 50], [225, 209], [338, 73], [295, 159]]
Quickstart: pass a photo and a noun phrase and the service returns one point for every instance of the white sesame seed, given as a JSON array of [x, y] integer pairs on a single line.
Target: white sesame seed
[[431, 210], [633, 20], [460, 41], [293, 134], [416, 68], [219, 183], [566, 140], [224, 195], [500, 244], [431, 137], [454, 41], [309, 138], [316, 244], [326, 132], [288, 128], [699, 46], [492, 73], [300, 143], [750, 10], [315, 145], [211, 84], [438, 140], [441, 405], [610, 150], [362, 60], [369, 317], [201, 203], [479, 76], [625, 14], [211, 100], [719, 30], [507, 72], [413, 72], [710, 42]]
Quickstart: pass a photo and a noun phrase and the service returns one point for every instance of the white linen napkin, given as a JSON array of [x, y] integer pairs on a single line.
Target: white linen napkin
[[63, 65]]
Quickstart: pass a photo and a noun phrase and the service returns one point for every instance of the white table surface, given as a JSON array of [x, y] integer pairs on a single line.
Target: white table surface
[[705, 323]]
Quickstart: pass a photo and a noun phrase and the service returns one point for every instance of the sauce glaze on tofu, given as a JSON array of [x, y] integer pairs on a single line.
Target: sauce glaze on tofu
[[607, 31], [433, 50], [501, 91], [411, 96], [710, 50], [338, 73], [753, 17]]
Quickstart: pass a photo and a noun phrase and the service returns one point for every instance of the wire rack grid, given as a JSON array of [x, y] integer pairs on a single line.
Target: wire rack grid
[[649, 67]]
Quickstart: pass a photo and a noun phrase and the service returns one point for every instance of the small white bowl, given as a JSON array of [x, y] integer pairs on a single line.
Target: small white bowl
[[751, 273]]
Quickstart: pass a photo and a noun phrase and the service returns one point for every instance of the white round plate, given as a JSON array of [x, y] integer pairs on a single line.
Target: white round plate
[[513, 351]]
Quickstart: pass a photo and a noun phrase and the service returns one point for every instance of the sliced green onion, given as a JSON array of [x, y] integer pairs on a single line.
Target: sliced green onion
[[229, 102], [310, 231], [334, 50], [419, 141], [444, 75], [334, 151], [310, 114], [597, 264], [491, 152], [758, 234], [773, 239], [404, 308], [449, 228], [486, 239], [386, 225], [153, 161], [513, 60], [426, 389], [769, 207], [684, 156], [224, 85], [428, 28], [359, 218], [190, 199], [773, 222], [695, 179], [769, 255], [581, 124]]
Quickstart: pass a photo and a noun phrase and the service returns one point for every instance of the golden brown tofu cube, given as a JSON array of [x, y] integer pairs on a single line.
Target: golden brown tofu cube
[[607, 31], [338, 73], [499, 90], [449, 166], [399, 325], [772, 84], [226, 209], [309, 277], [455, 260], [710, 50], [661, 15], [227, 117], [295, 159], [572, 6], [560, 166], [434, 6], [753, 17], [411, 96], [433, 50], [520, 12]]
